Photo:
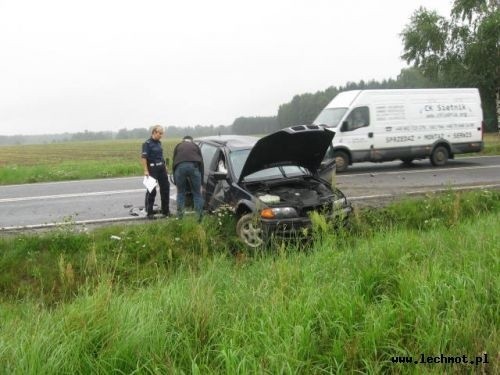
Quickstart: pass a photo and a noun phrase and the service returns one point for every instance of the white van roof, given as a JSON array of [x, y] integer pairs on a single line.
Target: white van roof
[[346, 98]]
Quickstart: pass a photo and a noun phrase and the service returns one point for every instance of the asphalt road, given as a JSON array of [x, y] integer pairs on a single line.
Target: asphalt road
[[108, 200]]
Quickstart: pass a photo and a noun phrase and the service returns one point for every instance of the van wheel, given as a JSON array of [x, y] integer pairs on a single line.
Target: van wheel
[[439, 156], [341, 160], [249, 230]]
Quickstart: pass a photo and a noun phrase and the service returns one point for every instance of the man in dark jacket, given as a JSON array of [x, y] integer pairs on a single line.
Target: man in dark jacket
[[188, 172], [188, 169], [153, 164]]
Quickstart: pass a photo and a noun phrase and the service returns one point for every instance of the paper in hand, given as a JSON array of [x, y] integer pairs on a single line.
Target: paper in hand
[[150, 183]]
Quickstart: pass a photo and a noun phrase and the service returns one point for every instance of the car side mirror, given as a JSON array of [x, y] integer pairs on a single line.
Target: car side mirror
[[220, 176], [345, 126]]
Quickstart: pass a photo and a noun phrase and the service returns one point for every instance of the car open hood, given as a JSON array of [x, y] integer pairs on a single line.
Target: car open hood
[[302, 145]]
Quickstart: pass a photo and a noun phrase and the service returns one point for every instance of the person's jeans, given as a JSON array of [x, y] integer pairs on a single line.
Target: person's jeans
[[188, 173]]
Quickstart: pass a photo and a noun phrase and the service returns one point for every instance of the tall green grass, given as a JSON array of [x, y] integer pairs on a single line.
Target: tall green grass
[[166, 298]]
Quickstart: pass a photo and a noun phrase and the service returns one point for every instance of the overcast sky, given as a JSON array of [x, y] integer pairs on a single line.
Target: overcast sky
[[70, 66]]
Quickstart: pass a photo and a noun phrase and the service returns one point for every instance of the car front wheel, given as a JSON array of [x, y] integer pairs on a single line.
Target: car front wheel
[[249, 230]]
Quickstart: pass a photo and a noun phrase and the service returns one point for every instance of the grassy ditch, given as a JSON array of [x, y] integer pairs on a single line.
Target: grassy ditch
[[98, 159], [416, 277]]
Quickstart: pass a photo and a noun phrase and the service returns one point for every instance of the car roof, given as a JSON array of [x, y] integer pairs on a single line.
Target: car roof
[[232, 142]]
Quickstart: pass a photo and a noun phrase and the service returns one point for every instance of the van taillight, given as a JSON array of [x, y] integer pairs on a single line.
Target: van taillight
[[482, 130]]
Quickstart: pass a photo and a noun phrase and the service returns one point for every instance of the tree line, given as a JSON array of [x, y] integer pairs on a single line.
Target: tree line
[[302, 109], [460, 51]]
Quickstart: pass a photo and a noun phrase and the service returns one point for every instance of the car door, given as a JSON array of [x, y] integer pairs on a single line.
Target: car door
[[215, 186], [208, 152]]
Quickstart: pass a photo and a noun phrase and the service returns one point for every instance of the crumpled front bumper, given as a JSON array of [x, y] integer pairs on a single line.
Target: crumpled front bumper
[[294, 228]]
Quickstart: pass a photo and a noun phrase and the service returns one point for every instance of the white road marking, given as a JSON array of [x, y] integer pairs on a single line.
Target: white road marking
[[173, 195], [79, 222], [374, 173], [73, 195], [139, 179], [419, 192]]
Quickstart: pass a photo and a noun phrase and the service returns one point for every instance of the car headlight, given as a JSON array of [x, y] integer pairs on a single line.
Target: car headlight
[[278, 213]]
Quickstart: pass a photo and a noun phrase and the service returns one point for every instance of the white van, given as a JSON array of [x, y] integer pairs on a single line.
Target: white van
[[383, 125]]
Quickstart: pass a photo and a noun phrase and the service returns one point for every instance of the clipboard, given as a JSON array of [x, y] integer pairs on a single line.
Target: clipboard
[[149, 183]]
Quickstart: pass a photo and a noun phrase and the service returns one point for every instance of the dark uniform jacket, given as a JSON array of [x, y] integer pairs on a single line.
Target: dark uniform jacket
[[152, 151]]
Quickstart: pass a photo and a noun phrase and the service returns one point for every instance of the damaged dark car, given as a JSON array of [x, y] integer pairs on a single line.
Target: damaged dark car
[[272, 184]]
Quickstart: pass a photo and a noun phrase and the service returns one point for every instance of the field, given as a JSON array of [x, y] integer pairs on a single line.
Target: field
[[417, 277], [73, 160], [97, 159]]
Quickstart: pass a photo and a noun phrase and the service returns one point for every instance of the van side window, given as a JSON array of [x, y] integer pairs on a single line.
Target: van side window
[[358, 118]]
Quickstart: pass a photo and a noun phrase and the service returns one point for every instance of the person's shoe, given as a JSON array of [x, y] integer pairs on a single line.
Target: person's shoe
[[151, 217]]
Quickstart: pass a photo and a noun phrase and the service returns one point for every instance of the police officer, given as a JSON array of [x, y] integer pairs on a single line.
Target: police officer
[[188, 171], [153, 163]]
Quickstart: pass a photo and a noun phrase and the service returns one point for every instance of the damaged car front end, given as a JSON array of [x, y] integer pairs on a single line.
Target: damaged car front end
[[273, 184]]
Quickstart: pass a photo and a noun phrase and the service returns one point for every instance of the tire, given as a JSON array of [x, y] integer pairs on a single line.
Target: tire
[[249, 230], [341, 160], [439, 156]]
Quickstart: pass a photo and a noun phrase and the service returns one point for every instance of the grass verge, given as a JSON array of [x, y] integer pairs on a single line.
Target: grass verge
[[175, 297]]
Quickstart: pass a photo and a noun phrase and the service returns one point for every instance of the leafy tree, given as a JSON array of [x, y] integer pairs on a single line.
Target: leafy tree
[[463, 51], [412, 78]]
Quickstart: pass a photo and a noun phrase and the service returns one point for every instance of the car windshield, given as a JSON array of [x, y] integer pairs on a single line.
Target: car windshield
[[330, 117], [238, 159]]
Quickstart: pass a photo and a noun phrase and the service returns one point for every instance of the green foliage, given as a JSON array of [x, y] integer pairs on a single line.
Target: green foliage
[[491, 144], [346, 307], [52, 267], [459, 52], [436, 210]]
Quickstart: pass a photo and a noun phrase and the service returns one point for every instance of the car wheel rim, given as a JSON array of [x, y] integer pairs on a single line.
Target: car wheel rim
[[251, 234]]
